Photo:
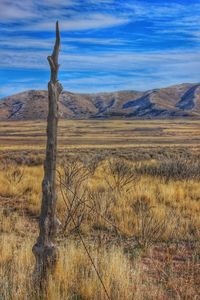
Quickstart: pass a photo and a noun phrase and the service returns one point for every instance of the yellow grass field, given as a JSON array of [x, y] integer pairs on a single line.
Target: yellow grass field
[[101, 134], [136, 202]]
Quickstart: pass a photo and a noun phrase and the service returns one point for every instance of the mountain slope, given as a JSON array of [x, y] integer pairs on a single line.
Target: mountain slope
[[178, 100]]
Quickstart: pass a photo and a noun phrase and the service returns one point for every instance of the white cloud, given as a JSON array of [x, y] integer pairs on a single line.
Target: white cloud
[[38, 44], [170, 18], [163, 64], [78, 23], [41, 15], [66, 3], [96, 41], [17, 10]]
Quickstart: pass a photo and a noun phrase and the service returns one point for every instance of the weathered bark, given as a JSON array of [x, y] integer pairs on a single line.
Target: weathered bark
[[45, 251]]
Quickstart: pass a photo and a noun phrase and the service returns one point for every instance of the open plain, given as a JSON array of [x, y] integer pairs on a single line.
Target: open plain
[[25, 135]]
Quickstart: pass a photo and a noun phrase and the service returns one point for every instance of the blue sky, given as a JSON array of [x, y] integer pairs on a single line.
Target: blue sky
[[107, 45]]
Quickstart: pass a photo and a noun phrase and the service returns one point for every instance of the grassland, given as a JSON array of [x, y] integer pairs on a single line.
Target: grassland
[[101, 134], [136, 202]]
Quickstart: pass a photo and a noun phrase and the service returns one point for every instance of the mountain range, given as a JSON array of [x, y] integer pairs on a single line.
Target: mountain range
[[181, 100]]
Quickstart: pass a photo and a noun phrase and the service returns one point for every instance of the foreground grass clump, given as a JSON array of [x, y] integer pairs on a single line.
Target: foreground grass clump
[[74, 275], [153, 274], [139, 221]]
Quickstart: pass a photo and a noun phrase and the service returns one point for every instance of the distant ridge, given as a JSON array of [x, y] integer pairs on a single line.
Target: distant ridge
[[175, 101]]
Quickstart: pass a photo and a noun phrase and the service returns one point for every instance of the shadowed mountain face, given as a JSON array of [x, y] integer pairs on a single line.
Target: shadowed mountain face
[[175, 101]]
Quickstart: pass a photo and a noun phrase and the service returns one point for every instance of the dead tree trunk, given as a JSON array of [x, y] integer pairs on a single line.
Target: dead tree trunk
[[45, 250]]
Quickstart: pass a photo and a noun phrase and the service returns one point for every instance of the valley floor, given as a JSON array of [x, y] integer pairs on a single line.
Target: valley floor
[[30, 135]]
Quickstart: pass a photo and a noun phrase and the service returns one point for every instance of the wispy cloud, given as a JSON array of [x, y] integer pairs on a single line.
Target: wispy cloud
[[20, 43], [21, 10], [157, 64], [81, 23], [41, 15], [171, 18], [16, 10]]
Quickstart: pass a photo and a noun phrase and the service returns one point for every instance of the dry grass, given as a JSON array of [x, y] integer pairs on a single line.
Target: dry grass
[[26, 135], [74, 278], [152, 275], [151, 252]]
